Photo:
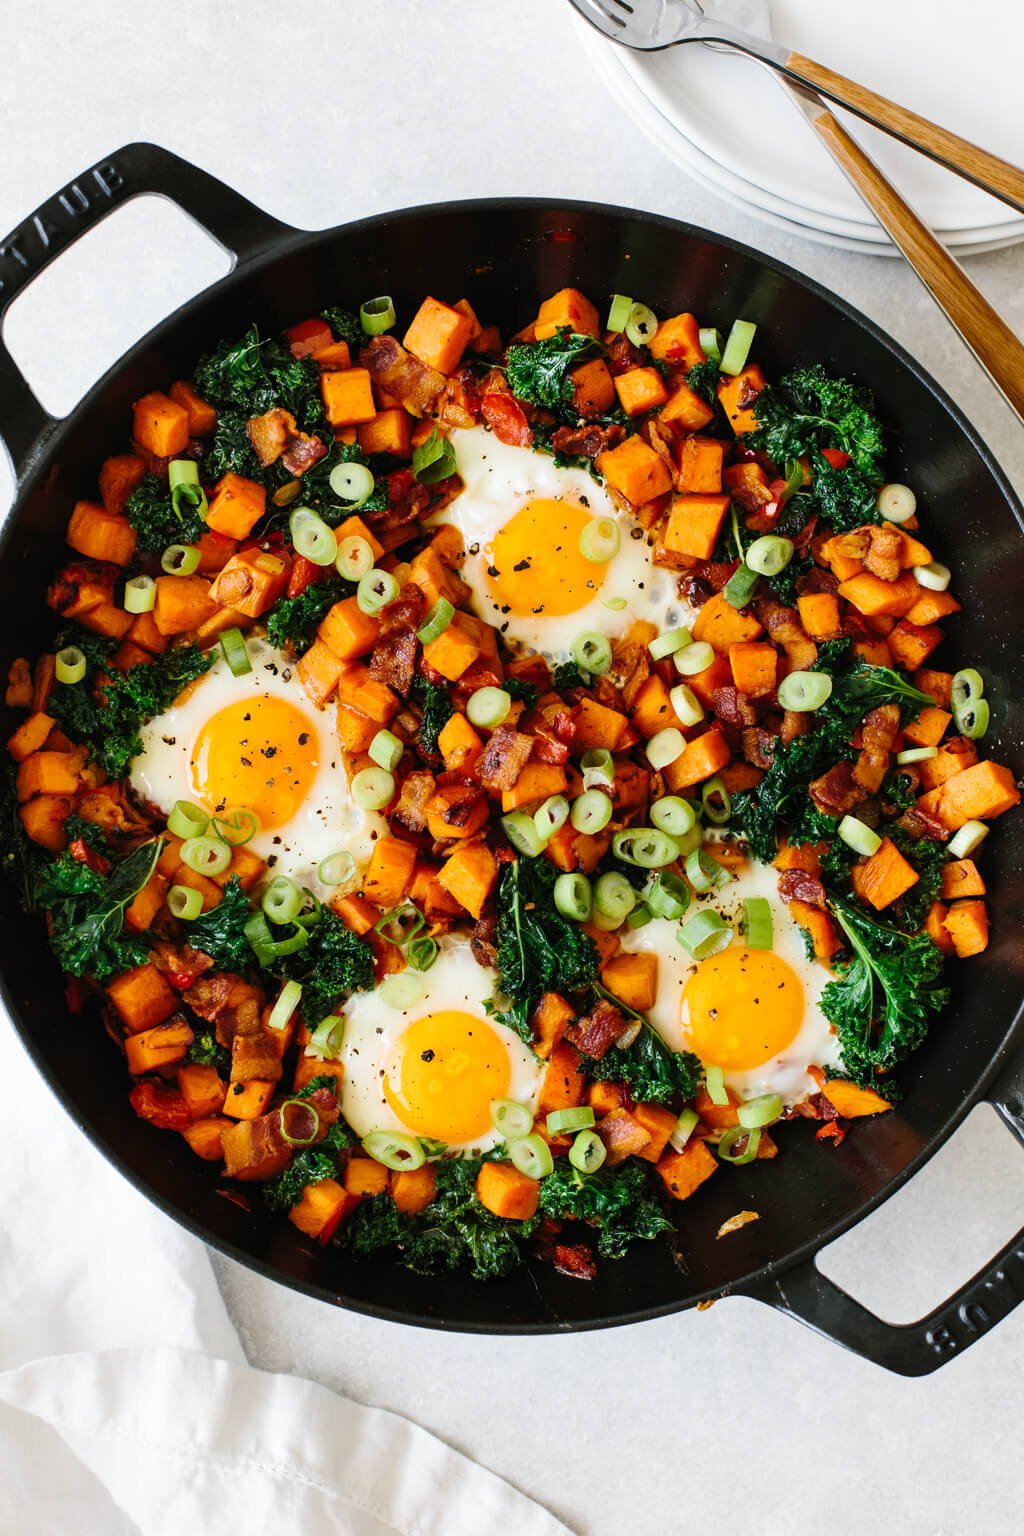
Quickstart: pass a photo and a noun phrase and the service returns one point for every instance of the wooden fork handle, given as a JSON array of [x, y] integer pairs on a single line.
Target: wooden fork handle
[[995, 346], [988, 171]]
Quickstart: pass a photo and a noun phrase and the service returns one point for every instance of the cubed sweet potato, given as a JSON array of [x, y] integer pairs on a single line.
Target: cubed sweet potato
[[929, 727], [598, 726], [677, 342], [700, 465], [161, 1046], [322, 1207], [469, 874], [412, 1190], [852, 1101], [632, 976], [438, 335], [703, 757], [535, 783], [347, 631], [236, 506], [635, 471], [593, 388], [753, 664], [507, 1192], [206, 1137], [182, 603], [459, 744], [683, 1172], [160, 425], [567, 307], [99, 534], [202, 1088], [251, 582], [738, 398], [819, 614], [389, 872], [961, 877], [142, 997], [564, 1085], [365, 1176], [118, 477], [640, 390], [348, 396], [390, 431], [976, 794], [967, 926], [884, 877], [693, 525], [686, 409], [722, 625], [455, 649], [202, 418], [319, 670], [30, 735]]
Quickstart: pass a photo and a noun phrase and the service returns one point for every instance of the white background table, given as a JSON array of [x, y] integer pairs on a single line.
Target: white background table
[[736, 1418]]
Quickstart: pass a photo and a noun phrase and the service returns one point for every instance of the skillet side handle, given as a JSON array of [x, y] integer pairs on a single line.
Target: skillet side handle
[[917, 1349], [244, 230]]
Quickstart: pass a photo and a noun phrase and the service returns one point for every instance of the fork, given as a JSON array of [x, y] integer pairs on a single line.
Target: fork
[[650, 25], [985, 332]]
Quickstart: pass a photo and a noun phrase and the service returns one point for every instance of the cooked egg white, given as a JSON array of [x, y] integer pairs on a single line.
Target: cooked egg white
[[755, 1013], [432, 1069], [257, 741], [521, 517]]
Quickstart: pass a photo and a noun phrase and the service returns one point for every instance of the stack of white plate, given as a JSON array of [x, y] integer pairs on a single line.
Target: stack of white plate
[[724, 118]]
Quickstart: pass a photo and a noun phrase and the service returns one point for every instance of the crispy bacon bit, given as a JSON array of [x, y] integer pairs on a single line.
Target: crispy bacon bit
[[878, 734], [506, 418], [694, 590], [405, 612], [394, 659], [484, 942], [268, 434], [574, 1260], [883, 554], [817, 579], [547, 745], [407, 499], [795, 722], [733, 709], [758, 747], [458, 805], [631, 668], [410, 811], [302, 452], [919, 824], [597, 1031], [622, 1135], [181, 964], [798, 885], [837, 792], [208, 996], [402, 376], [586, 442], [784, 627], [622, 355], [254, 1056], [504, 758]]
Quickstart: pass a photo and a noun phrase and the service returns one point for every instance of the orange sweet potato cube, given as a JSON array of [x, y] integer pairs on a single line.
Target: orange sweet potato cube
[[202, 418], [753, 664], [967, 926], [738, 398], [160, 425], [438, 335], [564, 1085], [30, 735], [142, 998], [251, 582], [119, 475], [693, 525], [635, 471], [929, 727], [567, 307], [348, 396], [390, 431], [593, 388], [459, 744], [99, 534], [677, 342], [722, 625], [700, 464], [182, 603], [688, 409], [683, 1172], [455, 649], [819, 614], [884, 877], [318, 671], [640, 390], [237, 506], [347, 631], [507, 1192]]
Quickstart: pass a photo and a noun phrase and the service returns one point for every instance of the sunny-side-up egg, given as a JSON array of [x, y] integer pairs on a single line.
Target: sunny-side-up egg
[[756, 1013], [257, 741], [521, 517], [432, 1068]]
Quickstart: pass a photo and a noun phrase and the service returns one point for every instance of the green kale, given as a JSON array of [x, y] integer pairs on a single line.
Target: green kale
[[881, 998], [21, 859], [538, 371], [703, 380], [310, 1166], [619, 1202], [810, 409], [653, 1073], [519, 688], [567, 675], [538, 950], [87, 912], [205, 1052], [316, 485], [844, 498], [220, 932], [898, 789], [111, 729], [438, 709], [151, 513], [345, 326], [256, 374], [928, 859], [863, 687], [334, 963], [294, 620], [229, 450], [77, 829]]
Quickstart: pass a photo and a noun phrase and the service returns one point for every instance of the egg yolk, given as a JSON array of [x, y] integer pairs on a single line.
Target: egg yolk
[[742, 1008], [534, 562], [445, 1070], [261, 753]]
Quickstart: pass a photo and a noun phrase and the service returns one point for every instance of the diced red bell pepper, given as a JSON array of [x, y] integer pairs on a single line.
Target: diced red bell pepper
[[836, 457], [161, 1105], [309, 337]]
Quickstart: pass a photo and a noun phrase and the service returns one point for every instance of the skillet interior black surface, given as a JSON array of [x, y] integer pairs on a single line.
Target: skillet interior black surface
[[504, 257]]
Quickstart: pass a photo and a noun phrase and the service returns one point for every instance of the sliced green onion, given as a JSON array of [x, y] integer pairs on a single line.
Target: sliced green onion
[[673, 814], [265, 947], [187, 495], [689, 709], [711, 343], [705, 873], [313, 539], [694, 658], [645, 847], [337, 869], [861, 838], [377, 315], [281, 901], [896, 503], [206, 855], [668, 896], [598, 768], [705, 934], [716, 802], [732, 1138], [739, 589], [614, 604], [758, 927], [967, 685], [683, 1129], [690, 840], [386, 750], [588, 1152], [375, 590], [970, 836], [436, 621], [755, 1113], [422, 952], [618, 313], [299, 1122], [770, 554], [668, 643], [512, 1119], [592, 652], [614, 897], [714, 1080], [433, 460], [352, 483], [285, 1005], [640, 916], [532, 1156], [326, 1039], [140, 594], [970, 709], [737, 347], [70, 665], [354, 558], [641, 325], [561, 1122], [187, 820], [794, 482], [396, 1150], [235, 652], [521, 831], [401, 991], [488, 707], [600, 540], [935, 576], [184, 903], [236, 825], [573, 897], [805, 691], [554, 813], [591, 811], [916, 755], [373, 788], [665, 747], [400, 924]]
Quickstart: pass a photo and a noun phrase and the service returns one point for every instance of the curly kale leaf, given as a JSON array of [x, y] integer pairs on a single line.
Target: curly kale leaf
[[256, 373], [519, 688], [87, 912], [310, 1166], [928, 859], [703, 379], [151, 513], [863, 687], [653, 1073], [810, 409], [317, 492], [294, 620], [619, 1202], [229, 451], [567, 675], [345, 326], [21, 860], [438, 709], [538, 371], [220, 932], [334, 963], [881, 999], [845, 498], [538, 950], [205, 1052]]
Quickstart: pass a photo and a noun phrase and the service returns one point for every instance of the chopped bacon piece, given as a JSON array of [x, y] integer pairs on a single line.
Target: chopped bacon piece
[[758, 747], [597, 1031], [268, 434], [407, 380], [795, 722], [783, 624], [878, 734], [586, 442], [411, 807], [574, 1260], [506, 419], [394, 659], [622, 355], [302, 452], [798, 885], [837, 792], [504, 758], [733, 709], [484, 941], [919, 824], [181, 964], [405, 612], [884, 553], [622, 1135]]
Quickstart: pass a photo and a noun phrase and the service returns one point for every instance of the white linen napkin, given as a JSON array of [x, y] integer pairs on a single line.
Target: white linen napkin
[[126, 1405]]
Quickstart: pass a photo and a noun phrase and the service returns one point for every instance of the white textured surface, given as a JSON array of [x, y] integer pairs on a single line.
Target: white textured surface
[[735, 1416]]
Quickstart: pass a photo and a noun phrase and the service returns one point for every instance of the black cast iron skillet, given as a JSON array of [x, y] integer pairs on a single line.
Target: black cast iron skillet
[[505, 255]]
